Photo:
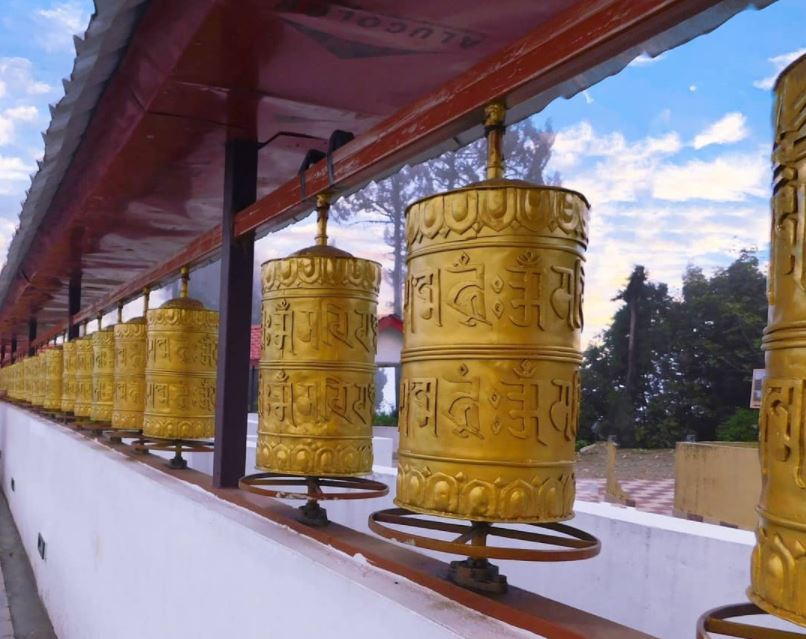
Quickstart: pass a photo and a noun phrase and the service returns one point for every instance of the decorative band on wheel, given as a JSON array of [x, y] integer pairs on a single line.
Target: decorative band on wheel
[[570, 544], [719, 621], [282, 486]]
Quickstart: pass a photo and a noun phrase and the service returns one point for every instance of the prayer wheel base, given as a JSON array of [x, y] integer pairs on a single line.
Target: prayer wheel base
[[316, 489], [476, 573], [117, 435], [720, 622], [479, 575], [178, 446]]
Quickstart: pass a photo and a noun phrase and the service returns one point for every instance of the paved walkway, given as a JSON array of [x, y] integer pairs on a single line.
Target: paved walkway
[[22, 615], [650, 495]]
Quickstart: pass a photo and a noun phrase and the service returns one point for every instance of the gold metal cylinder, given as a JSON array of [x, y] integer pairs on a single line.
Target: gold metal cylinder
[[82, 406], [38, 379], [317, 365], [54, 362], [779, 557], [68, 377], [490, 365], [130, 374], [103, 374], [180, 374]]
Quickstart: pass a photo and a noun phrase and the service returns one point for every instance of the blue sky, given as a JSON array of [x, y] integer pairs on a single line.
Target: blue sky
[[673, 153]]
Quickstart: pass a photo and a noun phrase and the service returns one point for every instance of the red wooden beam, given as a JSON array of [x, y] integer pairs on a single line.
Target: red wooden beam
[[578, 40]]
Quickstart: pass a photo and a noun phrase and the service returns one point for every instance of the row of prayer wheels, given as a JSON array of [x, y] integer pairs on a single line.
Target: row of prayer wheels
[[154, 374]]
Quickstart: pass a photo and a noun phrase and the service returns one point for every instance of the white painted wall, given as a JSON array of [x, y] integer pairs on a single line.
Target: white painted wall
[[655, 573], [390, 343], [136, 553]]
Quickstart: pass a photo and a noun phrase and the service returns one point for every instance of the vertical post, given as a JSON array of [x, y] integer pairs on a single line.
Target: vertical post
[[73, 304], [2, 354], [31, 336], [235, 306], [13, 348]]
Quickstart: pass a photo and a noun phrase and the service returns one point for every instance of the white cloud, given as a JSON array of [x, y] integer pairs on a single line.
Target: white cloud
[[644, 60], [59, 24], [6, 131], [6, 233], [692, 87], [728, 178], [622, 168], [25, 113], [13, 170], [16, 78], [660, 237], [730, 128], [779, 62], [588, 97], [2, 89], [10, 117]]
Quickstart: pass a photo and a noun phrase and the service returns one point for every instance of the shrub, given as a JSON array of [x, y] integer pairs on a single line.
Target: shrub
[[742, 426], [385, 419]]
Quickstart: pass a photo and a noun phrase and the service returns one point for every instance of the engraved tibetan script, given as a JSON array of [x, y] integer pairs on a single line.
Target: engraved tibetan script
[[781, 425]]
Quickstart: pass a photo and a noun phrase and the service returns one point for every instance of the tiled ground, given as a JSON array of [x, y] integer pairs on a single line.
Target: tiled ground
[[650, 495], [6, 629]]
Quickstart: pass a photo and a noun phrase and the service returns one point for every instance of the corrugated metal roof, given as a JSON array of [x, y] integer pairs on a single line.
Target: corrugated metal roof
[[97, 56]]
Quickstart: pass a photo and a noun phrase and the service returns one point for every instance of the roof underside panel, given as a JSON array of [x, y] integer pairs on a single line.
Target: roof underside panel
[[133, 168]]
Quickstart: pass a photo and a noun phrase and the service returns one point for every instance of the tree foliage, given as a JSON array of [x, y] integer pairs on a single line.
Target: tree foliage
[[666, 367]]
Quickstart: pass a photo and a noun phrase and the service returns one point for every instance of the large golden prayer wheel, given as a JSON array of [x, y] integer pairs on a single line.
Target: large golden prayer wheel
[[317, 365], [38, 382], [103, 373], [29, 378], [68, 377], [779, 557], [180, 374], [490, 365], [54, 359], [128, 404], [82, 406]]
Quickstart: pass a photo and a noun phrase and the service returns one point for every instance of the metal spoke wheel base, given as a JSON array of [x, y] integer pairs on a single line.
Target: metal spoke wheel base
[[117, 435], [178, 446], [316, 489], [88, 427], [565, 543], [720, 622]]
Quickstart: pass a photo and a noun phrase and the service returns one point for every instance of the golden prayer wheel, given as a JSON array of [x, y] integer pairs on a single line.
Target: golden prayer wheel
[[130, 372], [317, 366], [82, 405], [777, 568], [103, 373], [68, 377], [490, 364], [54, 359], [180, 373], [38, 383]]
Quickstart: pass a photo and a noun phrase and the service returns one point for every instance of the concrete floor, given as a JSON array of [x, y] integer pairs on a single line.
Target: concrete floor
[[28, 616]]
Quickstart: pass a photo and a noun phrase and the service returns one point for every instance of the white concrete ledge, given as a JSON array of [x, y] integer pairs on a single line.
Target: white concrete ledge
[[132, 552]]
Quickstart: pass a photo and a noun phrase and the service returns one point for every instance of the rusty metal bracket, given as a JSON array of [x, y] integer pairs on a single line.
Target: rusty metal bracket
[[720, 621]]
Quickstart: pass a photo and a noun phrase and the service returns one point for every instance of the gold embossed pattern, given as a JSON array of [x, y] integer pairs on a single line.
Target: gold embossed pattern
[[82, 406], [68, 377], [490, 381], [180, 374], [317, 367], [37, 397], [128, 404], [103, 374], [779, 557], [54, 360]]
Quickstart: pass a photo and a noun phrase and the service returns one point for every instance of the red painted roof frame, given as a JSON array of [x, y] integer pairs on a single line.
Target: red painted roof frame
[[559, 57]]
